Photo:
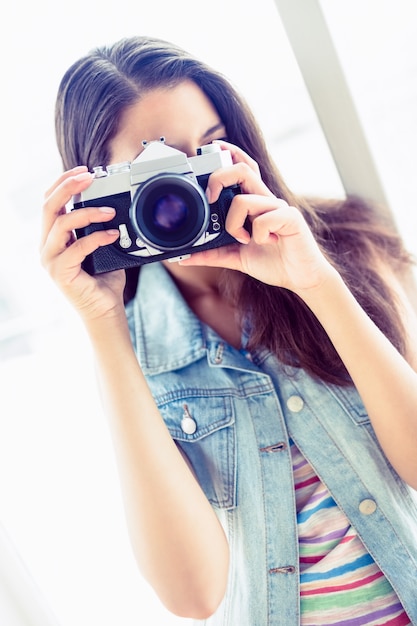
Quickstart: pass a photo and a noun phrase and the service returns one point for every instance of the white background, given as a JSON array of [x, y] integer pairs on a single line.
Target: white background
[[59, 496]]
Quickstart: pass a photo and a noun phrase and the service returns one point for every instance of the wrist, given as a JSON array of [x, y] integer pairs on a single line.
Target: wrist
[[109, 329], [325, 288]]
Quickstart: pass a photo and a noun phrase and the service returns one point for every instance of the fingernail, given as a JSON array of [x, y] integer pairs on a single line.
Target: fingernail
[[106, 209], [244, 241], [83, 176], [112, 232], [208, 195]]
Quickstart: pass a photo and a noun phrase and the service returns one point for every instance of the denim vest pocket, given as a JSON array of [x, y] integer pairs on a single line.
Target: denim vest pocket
[[203, 428]]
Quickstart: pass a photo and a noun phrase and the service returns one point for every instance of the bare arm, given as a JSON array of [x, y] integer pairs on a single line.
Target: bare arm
[[385, 380], [178, 542]]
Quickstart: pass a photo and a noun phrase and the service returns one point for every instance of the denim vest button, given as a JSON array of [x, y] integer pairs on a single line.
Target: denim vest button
[[188, 425], [295, 404], [367, 506]]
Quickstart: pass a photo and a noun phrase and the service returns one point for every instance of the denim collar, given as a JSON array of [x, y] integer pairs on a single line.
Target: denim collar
[[167, 335]]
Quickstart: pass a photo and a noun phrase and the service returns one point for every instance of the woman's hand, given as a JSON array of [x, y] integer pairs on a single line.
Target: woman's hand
[[62, 254], [281, 249]]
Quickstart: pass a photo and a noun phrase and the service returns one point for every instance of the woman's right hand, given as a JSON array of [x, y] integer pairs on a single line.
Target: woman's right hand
[[62, 254]]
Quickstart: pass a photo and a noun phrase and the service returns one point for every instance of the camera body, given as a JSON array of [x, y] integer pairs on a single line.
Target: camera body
[[162, 211]]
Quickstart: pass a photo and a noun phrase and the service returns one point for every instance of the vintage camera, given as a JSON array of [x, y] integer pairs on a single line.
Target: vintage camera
[[162, 211]]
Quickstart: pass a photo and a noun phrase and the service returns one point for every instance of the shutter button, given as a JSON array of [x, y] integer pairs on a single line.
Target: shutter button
[[188, 424]]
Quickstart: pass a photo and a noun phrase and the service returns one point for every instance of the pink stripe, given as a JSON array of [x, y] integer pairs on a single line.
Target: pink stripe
[[305, 483], [311, 559], [400, 620]]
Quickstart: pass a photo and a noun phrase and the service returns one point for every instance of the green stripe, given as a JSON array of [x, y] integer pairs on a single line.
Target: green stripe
[[346, 598], [325, 548]]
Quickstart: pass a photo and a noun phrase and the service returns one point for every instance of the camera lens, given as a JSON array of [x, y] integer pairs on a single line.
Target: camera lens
[[169, 212]]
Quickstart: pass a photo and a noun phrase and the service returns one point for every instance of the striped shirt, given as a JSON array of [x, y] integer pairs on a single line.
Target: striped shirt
[[341, 585]]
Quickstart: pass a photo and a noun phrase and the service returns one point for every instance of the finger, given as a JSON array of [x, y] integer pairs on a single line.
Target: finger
[[81, 218], [225, 256], [285, 221], [240, 174], [80, 169], [265, 228], [238, 155], [68, 263], [61, 234], [249, 206], [61, 193]]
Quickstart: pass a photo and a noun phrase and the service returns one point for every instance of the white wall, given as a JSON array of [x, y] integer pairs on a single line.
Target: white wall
[[59, 497]]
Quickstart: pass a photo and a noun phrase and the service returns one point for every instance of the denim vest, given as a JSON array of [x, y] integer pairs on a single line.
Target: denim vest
[[233, 417]]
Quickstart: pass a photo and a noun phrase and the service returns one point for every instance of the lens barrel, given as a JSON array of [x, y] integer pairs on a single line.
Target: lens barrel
[[169, 211]]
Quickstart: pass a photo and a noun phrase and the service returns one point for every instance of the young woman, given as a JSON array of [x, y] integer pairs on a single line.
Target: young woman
[[262, 395]]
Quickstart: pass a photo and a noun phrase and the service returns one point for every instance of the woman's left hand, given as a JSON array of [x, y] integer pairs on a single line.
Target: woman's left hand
[[280, 250]]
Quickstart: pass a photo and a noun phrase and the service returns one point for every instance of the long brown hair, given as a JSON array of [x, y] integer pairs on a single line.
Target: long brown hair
[[354, 235]]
